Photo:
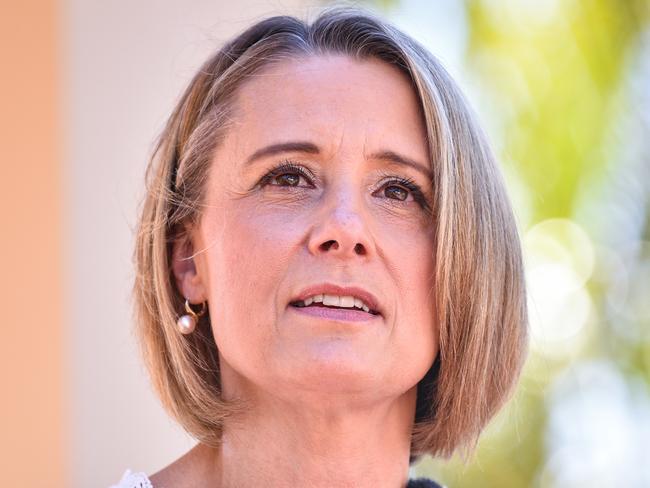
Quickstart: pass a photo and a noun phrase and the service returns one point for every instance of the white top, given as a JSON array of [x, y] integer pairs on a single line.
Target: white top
[[133, 480]]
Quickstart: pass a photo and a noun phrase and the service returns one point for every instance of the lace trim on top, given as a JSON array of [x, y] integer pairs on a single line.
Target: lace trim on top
[[133, 480]]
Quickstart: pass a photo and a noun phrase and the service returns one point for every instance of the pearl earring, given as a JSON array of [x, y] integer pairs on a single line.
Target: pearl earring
[[187, 323]]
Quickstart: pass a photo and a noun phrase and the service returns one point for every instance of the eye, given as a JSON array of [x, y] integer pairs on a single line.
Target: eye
[[286, 174], [400, 193], [398, 190]]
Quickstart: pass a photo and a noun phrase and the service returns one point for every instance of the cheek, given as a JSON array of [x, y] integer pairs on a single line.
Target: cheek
[[257, 245], [415, 313], [246, 265], [409, 250], [422, 296]]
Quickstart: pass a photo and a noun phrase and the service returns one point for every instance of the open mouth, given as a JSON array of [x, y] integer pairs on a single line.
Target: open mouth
[[303, 305], [329, 300]]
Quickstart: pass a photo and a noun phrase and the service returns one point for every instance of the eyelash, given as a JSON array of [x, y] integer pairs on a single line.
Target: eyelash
[[288, 167]]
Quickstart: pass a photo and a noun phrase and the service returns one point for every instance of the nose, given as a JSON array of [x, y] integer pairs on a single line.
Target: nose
[[341, 228]]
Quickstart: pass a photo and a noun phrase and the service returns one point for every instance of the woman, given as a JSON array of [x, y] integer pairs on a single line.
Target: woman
[[329, 278]]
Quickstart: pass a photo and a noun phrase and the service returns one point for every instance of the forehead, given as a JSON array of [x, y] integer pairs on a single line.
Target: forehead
[[331, 100]]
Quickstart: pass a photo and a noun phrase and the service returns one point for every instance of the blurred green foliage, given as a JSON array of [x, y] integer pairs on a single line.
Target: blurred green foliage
[[554, 67]]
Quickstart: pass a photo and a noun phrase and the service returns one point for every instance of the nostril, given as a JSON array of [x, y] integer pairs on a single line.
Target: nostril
[[333, 244], [327, 245]]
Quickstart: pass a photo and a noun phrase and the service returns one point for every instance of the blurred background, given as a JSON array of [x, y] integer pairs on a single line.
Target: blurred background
[[563, 90]]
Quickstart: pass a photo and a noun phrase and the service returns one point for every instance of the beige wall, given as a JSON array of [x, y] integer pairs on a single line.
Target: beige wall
[[126, 63]]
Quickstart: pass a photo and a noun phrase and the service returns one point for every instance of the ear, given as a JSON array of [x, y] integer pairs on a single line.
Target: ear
[[188, 280]]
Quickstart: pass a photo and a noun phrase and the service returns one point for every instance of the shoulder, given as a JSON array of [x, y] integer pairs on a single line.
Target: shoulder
[[176, 474], [133, 480], [180, 474], [189, 471]]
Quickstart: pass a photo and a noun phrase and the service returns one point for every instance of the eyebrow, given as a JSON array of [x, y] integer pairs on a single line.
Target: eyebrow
[[311, 148]]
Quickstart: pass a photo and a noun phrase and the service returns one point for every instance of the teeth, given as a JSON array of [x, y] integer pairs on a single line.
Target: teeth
[[347, 302], [337, 301], [332, 300]]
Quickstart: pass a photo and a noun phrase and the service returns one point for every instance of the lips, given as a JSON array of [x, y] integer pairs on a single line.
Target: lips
[[331, 289], [338, 314]]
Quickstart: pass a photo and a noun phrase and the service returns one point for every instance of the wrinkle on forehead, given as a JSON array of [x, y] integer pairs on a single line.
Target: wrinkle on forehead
[[286, 102]]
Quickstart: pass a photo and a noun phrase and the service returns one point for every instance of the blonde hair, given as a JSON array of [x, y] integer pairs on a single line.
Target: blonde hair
[[479, 284]]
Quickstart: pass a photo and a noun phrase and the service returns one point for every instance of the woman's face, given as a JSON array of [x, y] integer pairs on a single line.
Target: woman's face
[[338, 215]]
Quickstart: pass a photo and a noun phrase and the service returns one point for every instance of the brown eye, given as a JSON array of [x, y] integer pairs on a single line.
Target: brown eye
[[286, 175], [396, 191], [291, 179]]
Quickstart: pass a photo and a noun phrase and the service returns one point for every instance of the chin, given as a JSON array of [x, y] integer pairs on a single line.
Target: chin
[[334, 369]]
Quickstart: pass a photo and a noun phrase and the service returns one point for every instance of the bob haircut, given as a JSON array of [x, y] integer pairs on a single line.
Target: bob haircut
[[479, 290]]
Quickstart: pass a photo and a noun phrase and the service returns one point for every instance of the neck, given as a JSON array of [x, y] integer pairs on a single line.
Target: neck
[[290, 445]]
